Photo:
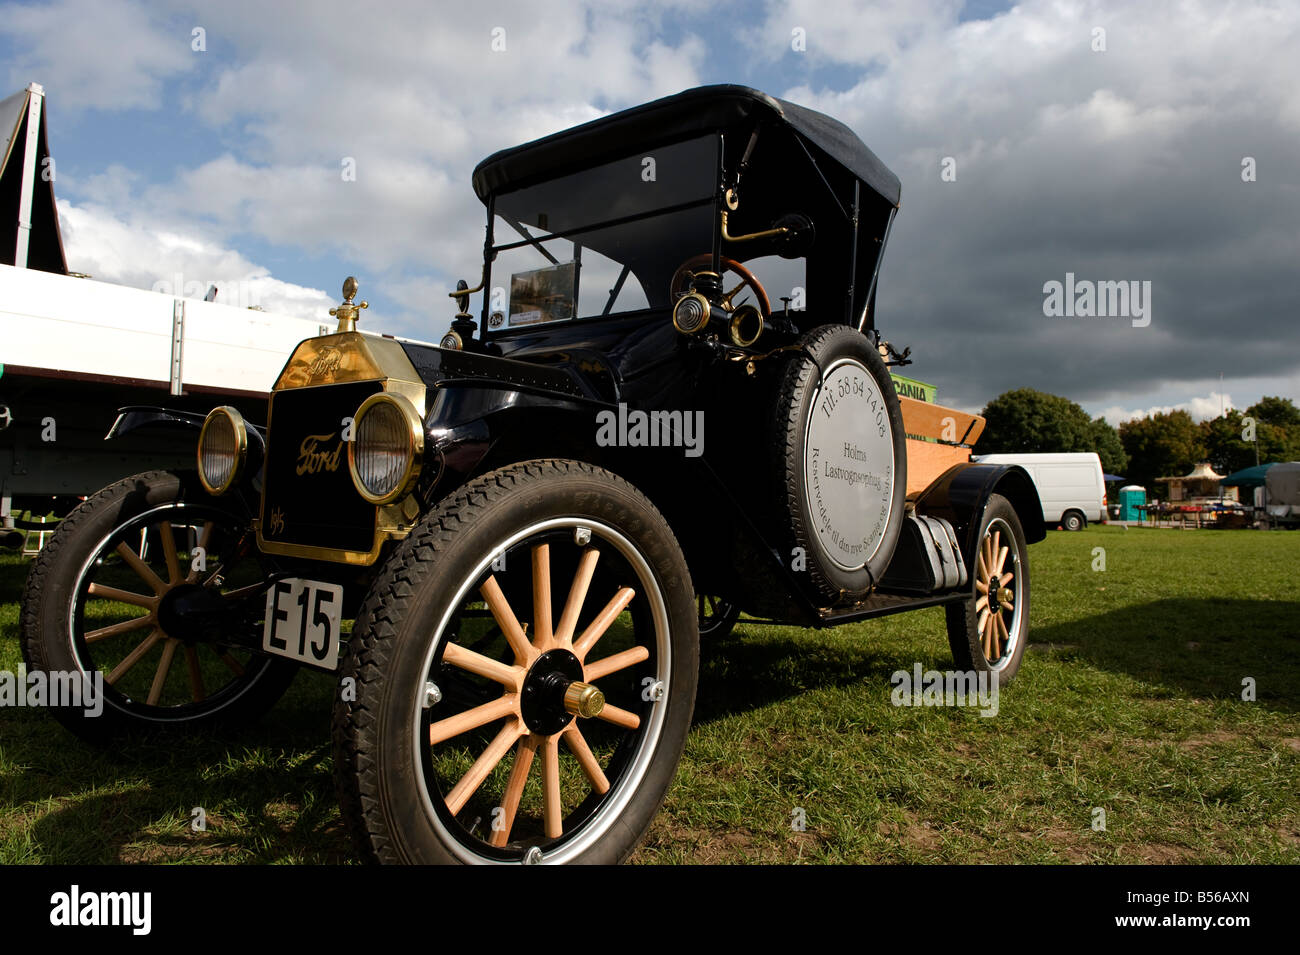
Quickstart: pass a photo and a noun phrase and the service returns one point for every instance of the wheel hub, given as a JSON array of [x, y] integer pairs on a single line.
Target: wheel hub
[[190, 612], [553, 692]]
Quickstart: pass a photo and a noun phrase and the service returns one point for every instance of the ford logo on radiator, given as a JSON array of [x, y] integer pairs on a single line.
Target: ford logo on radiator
[[315, 456]]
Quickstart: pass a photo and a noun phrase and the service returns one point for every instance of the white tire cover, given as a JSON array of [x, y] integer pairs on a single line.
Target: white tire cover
[[849, 466]]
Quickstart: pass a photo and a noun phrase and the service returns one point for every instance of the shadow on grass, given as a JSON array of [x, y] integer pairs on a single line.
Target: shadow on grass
[[1192, 647], [266, 790]]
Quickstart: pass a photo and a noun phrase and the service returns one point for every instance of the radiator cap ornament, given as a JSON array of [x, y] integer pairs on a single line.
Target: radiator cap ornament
[[347, 312]]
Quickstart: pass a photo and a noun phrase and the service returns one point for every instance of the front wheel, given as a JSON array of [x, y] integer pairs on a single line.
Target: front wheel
[[140, 600], [523, 674], [988, 632]]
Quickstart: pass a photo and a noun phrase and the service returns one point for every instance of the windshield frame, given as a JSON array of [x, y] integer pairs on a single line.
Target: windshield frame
[[491, 249]]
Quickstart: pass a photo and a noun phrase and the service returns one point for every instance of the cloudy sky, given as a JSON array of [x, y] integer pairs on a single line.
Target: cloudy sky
[[1111, 141]]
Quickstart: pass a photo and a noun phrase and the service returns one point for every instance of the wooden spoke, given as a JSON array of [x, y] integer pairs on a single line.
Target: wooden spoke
[[577, 596], [507, 621], [982, 602], [986, 631], [994, 545], [205, 538], [1005, 579], [126, 626], [983, 567], [132, 658], [164, 667], [542, 597], [168, 534], [143, 570], [1002, 559], [235, 666], [582, 646], [474, 662], [515, 787], [125, 596], [612, 714], [472, 718], [196, 675], [983, 621], [496, 750], [981, 586], [1002, 630], [552, 810], [613, 663], [574, 739]]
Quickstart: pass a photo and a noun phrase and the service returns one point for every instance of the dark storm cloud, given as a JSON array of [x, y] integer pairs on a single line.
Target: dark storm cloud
[[1116, 165]]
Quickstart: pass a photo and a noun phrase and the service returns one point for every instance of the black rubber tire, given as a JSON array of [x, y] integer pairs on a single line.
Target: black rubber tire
[[381, 781], [1073, 521], [716, 617], [52, 585], [962, 618], [799, 386]]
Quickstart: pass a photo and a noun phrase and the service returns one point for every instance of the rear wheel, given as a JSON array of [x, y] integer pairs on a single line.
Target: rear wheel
[[1073, 521], [524, 670], [989, 631], [112, 597]]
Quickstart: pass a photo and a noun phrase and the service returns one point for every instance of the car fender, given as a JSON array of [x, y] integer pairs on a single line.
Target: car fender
[[960, 494], [141, 417]]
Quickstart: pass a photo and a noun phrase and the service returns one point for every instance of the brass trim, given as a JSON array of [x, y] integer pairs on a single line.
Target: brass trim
[[583, 699], [347, 312], [415, 446], [388, 364], [707, 313], [766, 233], [737, 317], [241, 449]]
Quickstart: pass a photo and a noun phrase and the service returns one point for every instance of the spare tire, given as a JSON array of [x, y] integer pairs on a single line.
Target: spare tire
[[841, 462]]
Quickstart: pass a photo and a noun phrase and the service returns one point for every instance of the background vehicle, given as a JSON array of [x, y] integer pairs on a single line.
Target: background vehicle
[[520, 519], [1070, 485]]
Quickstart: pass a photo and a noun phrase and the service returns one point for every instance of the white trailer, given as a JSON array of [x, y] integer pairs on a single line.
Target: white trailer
[[73, 350]]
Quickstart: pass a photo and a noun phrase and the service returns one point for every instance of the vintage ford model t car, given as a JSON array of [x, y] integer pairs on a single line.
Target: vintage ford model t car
[[519, 520]]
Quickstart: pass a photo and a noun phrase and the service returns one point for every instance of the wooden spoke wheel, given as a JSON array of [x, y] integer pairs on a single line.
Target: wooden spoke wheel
[[529, 704], [988, 631], [145, 586], [715, 617]]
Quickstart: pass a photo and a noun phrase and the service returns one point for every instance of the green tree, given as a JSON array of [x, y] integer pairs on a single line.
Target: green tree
[[1108, 447], [1030, 421], [1162, 445]]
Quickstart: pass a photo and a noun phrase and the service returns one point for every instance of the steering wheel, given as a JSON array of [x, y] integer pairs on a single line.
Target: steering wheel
[[681, 279]]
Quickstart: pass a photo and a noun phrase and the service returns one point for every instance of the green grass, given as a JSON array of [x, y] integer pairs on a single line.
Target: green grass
[[1129, 700]]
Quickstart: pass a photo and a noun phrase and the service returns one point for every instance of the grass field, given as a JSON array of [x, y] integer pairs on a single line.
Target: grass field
[[1129, 701]]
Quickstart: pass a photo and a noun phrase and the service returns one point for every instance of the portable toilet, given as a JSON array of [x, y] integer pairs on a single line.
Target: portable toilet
[[1130, 496]]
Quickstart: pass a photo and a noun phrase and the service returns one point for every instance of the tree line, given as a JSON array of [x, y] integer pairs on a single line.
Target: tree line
[[1161, 445]]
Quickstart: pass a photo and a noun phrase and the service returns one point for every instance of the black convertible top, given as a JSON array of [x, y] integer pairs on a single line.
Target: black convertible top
[[695, 111]]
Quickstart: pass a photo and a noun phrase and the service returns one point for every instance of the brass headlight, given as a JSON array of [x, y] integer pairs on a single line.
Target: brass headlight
[[386, 449], [223, 449]]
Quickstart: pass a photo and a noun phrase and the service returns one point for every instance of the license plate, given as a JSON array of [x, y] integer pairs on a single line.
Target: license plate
[[302, 621]]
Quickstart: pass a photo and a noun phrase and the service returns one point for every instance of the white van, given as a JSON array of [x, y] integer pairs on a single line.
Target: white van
[[1070, 485]]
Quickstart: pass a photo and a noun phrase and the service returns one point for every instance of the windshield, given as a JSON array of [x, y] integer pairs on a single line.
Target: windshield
[[603, 241]]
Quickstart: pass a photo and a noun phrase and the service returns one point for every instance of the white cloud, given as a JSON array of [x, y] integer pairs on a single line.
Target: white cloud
[[101, 54], [1200, 408], [135, 254]]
